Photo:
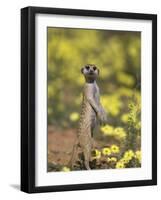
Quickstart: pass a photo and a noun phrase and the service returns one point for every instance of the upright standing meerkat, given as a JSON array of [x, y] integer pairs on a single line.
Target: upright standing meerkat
[[91, 114]]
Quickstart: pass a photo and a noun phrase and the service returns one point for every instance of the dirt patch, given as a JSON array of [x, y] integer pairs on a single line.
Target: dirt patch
[[60, 145]]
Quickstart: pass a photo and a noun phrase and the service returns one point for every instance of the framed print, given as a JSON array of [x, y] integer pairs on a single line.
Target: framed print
[[88, 99]]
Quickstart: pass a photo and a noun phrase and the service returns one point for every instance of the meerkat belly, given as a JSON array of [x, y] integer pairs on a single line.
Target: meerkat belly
[[87, 122]]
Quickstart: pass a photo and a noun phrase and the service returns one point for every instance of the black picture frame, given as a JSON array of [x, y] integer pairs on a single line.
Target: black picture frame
[[28, 98]]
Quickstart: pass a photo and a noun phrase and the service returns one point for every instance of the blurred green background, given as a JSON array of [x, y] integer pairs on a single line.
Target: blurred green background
[[117, 54]]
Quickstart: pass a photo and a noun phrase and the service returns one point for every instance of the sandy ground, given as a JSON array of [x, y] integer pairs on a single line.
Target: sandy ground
[[60, 145]]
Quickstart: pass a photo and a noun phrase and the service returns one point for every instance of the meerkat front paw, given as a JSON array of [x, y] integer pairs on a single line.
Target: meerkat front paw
[[104, 114], [102, 117]]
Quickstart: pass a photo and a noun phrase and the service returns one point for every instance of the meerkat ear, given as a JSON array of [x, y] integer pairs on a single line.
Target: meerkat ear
[[98, 71], [82, 70]]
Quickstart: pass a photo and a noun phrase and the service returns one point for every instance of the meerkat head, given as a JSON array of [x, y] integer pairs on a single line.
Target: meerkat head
[[90, 72]]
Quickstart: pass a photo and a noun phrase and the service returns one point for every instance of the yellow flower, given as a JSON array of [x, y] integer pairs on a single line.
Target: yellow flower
[[120, 165], [74, 116], [106, 151], [128, 155], [124, 160], [111, 103], [65, 169], [115, 149], [125, 117], [138, 155], [107, 129], [120, 132], [111, 131], [97, 154], [112, 159]]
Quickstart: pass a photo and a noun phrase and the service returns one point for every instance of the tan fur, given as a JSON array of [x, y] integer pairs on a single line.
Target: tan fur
[[91, 113]]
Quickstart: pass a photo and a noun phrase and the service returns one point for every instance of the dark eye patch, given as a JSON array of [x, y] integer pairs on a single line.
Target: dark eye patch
[[87, 67], [94, 68]]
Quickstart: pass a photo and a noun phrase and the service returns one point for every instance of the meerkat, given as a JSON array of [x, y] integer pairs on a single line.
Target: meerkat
[[91, 114]]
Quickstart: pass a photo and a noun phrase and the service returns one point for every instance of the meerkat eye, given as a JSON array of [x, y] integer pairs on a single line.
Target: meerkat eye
[[87, 67], [94, 68]]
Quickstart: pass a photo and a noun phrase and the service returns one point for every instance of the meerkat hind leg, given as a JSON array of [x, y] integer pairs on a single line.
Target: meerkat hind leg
[[87, 153], [87, 156], [74, 155]]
